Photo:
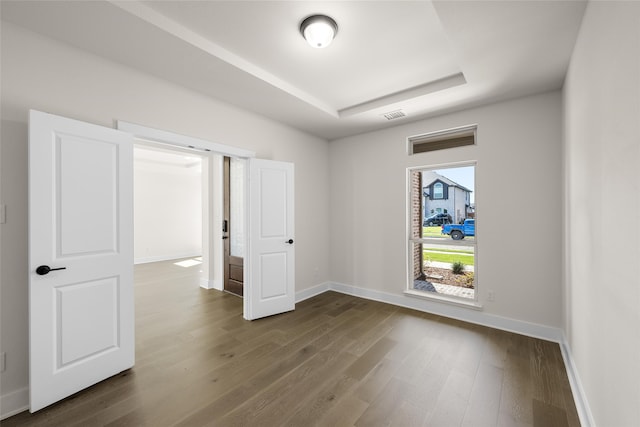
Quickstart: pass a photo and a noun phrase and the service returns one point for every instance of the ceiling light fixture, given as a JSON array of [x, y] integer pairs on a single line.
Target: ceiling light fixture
[[318, 30]]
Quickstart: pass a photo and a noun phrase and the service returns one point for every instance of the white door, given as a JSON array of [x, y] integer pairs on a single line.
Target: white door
[[81, 324], [270, 264]]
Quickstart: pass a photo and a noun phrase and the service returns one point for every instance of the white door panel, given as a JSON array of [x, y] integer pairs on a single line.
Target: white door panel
[[81, 327], [86, 187], [270, 266], [273, 275], [88, 320], [273, 203]]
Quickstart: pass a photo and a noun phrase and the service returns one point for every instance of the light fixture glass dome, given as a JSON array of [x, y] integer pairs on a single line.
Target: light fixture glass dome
[[318, 30]]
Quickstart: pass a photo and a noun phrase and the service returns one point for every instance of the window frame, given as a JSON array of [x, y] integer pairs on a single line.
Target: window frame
[[411, 241]]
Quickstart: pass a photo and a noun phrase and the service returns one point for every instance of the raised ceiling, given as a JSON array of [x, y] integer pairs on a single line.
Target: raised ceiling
[[420, 57], [153, 155]]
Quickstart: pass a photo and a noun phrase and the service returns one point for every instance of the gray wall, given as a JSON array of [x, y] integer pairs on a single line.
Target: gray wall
[[519, 150], [602, 210], [14, 325]]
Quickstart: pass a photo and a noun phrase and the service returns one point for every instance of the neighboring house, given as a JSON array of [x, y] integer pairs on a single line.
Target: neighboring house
[[442, 195]]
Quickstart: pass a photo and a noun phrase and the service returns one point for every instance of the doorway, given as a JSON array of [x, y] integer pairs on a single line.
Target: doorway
[[168, 204], [90, 247]]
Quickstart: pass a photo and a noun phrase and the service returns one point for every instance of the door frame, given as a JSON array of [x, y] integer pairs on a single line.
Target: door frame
[[212, 170]]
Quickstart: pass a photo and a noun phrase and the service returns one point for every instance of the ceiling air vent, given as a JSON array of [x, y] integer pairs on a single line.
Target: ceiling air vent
[[391, 115]]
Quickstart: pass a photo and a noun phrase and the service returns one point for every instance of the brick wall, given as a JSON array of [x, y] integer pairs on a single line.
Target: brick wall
[[416, 222]]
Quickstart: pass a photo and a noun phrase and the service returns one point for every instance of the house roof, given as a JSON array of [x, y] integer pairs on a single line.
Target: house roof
[[430, 177]]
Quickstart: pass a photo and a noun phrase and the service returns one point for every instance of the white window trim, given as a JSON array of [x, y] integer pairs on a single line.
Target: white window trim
[[457, 301]]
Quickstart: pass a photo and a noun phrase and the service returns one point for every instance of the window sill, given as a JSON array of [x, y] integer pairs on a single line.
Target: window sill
[[474, 305]]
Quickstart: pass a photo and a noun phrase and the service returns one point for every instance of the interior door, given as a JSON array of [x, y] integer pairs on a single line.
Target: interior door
[[270, 266], [232, 226], [81, 308]]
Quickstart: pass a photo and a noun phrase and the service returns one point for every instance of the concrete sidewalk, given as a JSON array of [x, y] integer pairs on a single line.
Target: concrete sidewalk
[[447, 266], [438, 288]]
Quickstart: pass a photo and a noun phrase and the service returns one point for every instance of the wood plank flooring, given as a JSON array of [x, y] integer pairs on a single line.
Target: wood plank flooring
[[336, 360]]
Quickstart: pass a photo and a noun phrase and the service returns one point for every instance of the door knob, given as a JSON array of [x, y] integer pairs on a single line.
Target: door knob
[[45, 269], [290, 241]]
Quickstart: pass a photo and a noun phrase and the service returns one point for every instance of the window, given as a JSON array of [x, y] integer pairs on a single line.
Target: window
[[450, 138], [438, 192], [443, 246], [236, 206]]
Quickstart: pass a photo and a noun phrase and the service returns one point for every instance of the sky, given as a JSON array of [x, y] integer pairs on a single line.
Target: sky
[[462, 175]]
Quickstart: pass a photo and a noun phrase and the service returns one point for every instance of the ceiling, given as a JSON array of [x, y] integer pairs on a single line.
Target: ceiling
[[153, 155], [421, 57]]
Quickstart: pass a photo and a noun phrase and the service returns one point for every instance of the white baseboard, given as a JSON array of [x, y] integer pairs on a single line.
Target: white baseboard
[[579, 396], [13, 403], [453, 311], [211, 284], [146, 260], [312, 292]]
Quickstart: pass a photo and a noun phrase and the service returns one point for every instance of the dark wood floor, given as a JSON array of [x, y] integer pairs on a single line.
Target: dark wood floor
[[336, 360]]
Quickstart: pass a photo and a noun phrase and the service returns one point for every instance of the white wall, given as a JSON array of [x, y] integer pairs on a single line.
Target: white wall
[[167, 211], [42, 74], [518, 152], [14, 315], [602, 173]]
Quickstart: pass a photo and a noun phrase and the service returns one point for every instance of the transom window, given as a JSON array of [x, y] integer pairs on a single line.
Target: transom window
[[444, 139]]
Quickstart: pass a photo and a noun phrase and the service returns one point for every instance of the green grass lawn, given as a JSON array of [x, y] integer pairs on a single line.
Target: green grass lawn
[[450, 256], [458, 251], [434, 231]]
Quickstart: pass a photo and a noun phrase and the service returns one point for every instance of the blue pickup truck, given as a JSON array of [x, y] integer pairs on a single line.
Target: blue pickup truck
[[459, 232]]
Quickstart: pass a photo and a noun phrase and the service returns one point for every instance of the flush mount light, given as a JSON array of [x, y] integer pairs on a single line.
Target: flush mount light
[[318, 30]]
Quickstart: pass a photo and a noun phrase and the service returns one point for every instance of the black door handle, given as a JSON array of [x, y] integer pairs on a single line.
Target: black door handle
[[290, 241], [45, 269]]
